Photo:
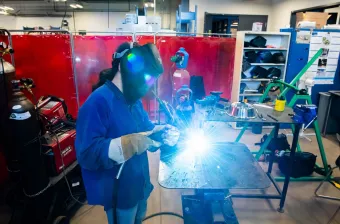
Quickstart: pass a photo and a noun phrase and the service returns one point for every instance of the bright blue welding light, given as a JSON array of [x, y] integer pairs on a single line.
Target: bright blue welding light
[[135, 62], [147, 77], [197, 142]]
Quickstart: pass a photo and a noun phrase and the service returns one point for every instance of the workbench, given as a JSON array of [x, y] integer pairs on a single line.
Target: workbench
[[226, 166]]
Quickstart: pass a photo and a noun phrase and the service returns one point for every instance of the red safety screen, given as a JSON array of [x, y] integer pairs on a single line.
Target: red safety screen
[[92, 55], [212, 58], [47, 60]]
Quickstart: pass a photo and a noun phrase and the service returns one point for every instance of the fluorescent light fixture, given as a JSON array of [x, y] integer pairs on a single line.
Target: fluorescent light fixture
[[73, 6], [79, 6], [63, 0], [6, 8], [152, 5], [3, 12], [146, 5]]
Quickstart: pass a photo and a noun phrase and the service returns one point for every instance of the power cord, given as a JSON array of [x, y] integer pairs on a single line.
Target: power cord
[[62, 160], [163, 213], [63, 169]]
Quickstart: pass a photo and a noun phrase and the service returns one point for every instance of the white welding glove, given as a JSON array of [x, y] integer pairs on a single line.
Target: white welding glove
[[170, 134], [123, 148]]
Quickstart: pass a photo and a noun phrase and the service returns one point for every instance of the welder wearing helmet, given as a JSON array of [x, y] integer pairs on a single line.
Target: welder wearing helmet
[[113, 128]]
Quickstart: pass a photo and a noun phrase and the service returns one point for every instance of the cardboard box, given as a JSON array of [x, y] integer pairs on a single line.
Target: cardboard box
[[319, 17]]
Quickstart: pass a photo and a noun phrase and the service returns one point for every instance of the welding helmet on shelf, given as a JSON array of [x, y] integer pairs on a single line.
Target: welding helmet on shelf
[[279, 58], [264, 57], [274, 73], [258, 41], [140, 67], [259, 72]]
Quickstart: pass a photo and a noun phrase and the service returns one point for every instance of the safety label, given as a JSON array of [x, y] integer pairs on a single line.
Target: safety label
[[20, 116]]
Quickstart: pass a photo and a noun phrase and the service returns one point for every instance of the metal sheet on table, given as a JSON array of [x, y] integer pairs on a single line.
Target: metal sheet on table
[[224, 166], [282, 117]]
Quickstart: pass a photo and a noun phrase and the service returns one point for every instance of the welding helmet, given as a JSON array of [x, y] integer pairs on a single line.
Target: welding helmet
[[140, 67], [264, 57], [279, 58]]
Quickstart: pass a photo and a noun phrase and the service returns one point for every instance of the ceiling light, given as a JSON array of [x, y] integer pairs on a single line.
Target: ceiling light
[[6, 8], [152, 5], [3, 12], [146, 5], [79, 6], [73, 6]]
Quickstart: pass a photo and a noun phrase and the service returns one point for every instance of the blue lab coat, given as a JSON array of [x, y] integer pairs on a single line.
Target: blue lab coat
[[106, 115]]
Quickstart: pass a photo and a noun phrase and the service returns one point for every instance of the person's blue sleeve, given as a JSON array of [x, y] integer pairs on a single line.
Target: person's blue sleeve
[[148, 125], [91, 144]]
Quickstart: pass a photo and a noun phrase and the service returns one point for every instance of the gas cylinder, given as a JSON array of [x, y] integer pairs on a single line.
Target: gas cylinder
[[25, 129], [181, 76], [7, 74], [9, 71]]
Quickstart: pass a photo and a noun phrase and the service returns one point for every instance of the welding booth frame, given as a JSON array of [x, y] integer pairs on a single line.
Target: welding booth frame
[[281, 194], [134, 35]]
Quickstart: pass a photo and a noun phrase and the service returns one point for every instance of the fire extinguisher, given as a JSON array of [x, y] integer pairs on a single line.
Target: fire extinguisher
[[181, 76]]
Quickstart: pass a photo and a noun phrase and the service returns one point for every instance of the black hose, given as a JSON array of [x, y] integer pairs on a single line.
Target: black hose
[[163, 213]]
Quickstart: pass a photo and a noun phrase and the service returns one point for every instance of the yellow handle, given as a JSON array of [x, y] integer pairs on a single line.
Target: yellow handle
[[280, 105]]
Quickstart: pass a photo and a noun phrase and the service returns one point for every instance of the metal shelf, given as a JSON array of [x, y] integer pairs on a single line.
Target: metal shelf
[[269, 49], [254, 80], [251, 94], [268, 64]]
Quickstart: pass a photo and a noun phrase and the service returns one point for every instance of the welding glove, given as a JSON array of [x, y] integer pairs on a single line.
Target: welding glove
[[123, 148], [169, 134]]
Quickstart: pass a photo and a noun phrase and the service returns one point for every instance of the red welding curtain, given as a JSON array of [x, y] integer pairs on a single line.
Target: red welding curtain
[[47, 60], [92, 55], [212, 58]]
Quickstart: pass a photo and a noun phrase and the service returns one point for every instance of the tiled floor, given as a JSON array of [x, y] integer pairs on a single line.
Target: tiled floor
[[301, 205]]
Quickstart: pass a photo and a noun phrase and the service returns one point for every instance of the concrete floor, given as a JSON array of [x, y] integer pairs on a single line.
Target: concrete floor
[[301, 205]]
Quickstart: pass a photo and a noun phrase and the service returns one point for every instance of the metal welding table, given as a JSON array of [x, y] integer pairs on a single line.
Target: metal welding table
[[227, 165]]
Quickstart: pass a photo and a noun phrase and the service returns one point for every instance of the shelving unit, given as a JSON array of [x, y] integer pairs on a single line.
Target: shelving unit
[[267, 64], [281, 43], [268, 49]]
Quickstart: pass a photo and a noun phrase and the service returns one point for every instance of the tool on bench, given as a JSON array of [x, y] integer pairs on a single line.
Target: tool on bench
[[275, 119]]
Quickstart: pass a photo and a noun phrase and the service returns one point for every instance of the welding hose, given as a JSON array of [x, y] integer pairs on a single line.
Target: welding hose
[[163, 213]]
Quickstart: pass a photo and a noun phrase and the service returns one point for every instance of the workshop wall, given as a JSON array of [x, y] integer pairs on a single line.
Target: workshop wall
[[256, 7], [281, 11]]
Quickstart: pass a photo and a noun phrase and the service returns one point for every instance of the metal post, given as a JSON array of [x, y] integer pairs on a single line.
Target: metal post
[[303, 71], [290, 167], [74, 69], [242, 132], [154, 8], [265, 145], [272, 154]]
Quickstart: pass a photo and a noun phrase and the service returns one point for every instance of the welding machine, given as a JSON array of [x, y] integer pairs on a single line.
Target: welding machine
[[59, 150], [59, 139], [52, 109]]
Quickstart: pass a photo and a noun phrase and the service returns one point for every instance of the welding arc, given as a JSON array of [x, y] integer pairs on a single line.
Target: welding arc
[[163, 213]]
